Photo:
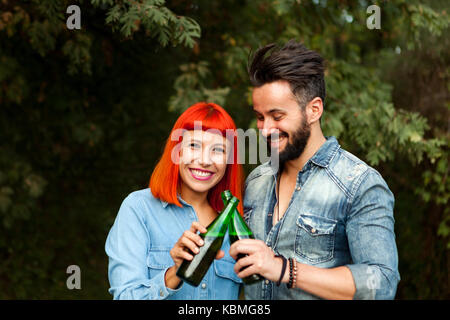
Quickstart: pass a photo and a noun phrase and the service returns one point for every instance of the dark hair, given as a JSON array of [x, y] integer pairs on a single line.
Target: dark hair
[[301, 67]]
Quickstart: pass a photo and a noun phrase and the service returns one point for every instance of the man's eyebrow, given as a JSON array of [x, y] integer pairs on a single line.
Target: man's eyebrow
[[276, 110], [271, 111]]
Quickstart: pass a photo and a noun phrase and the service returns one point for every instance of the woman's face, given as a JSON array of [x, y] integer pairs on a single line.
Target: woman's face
[[203, 159]]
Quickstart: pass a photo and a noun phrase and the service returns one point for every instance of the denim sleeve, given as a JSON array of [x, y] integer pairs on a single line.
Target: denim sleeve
[[127, 247], [371, 238]]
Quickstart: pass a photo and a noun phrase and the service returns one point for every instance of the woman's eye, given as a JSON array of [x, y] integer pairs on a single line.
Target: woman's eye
[[219, 149], [277, 118], [194, 145]]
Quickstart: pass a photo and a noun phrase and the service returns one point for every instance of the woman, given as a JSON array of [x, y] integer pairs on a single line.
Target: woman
[[156, 228]]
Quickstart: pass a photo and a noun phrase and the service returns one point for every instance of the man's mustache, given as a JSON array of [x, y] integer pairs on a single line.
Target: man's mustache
[[275, 136]]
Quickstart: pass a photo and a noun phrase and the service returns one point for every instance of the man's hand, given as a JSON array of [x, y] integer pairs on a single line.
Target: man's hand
[[260, 260]]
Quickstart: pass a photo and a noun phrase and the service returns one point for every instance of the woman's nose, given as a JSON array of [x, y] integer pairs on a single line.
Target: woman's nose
[[205, 157]]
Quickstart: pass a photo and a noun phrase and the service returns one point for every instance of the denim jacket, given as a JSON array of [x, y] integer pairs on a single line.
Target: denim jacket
[[340, 214], [138, 246]]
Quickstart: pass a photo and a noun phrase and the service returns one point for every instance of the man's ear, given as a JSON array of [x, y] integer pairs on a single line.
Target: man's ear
[[314, 110]]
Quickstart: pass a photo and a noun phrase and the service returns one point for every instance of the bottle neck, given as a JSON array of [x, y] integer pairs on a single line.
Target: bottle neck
[[219, 227], [237, 227]]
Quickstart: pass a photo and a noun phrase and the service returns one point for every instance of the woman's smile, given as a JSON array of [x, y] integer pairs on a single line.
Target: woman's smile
[[201, 174]]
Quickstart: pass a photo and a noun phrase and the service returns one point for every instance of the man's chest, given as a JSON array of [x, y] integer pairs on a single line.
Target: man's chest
[[284, 193]]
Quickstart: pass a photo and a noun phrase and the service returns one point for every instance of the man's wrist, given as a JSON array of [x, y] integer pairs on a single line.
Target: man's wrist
[[282, 276], [283, 269]]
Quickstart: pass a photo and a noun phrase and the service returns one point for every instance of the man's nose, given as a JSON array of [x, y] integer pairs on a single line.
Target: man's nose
[[268, 128]]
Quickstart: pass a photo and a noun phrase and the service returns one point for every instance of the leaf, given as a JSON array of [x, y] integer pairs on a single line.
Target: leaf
[[5, 198], [35, 185]]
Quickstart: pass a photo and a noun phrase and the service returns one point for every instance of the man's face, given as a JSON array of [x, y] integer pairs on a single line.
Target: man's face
[[280, 119]]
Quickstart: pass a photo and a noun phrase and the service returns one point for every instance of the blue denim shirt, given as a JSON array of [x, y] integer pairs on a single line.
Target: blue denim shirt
[[138, 246], [340, 214]]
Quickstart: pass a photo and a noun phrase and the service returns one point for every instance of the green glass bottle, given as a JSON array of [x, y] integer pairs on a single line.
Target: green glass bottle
[[238, 230], [193, 271]]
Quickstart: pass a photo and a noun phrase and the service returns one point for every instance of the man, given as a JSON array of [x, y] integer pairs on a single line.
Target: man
[[324, 208]]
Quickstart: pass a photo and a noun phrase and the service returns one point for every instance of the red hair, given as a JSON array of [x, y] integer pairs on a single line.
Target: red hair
[[165, 182]]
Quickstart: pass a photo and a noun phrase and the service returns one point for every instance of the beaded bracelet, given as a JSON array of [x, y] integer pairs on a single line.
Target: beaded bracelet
[[295, 273], [292, 273]]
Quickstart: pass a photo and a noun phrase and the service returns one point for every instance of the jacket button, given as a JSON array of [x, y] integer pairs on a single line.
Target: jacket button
[[203, 285], [298, 188], [313, 230]]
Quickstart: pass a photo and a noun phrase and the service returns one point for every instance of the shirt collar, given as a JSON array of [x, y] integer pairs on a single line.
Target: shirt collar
[[165, 204], [326, 152], [322, 157]]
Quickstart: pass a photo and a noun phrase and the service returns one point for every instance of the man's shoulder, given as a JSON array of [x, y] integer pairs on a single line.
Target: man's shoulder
[[350, 171], [348, 162]]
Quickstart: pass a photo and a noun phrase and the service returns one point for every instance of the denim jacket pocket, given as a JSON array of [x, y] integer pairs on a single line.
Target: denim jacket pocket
[[224, 269], [159, 259], [315, 237]]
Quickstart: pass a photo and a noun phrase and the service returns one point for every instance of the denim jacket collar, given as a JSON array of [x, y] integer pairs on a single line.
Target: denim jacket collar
[[165, 204], [323, 156], [326, 152]]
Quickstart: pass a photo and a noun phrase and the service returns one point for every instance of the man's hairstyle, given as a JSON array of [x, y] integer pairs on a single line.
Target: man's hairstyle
[[165, 180], [301, 67]]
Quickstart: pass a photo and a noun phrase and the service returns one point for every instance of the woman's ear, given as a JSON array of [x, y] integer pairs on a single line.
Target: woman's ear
[[314, 110]]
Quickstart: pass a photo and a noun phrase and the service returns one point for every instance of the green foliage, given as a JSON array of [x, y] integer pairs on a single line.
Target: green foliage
[[85, 113], [193, 86], [356, 106], [68, 132], [424, 17], [154, 18], [436, 189]]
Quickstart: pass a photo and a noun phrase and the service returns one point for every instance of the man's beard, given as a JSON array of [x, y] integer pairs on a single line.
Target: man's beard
[[299, 140]]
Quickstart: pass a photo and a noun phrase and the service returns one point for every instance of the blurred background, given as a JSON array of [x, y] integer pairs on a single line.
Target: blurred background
[[84, 115]]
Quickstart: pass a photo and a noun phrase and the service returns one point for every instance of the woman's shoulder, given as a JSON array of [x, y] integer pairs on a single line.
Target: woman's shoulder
[[141, 198], [143, 194], [140, 205]]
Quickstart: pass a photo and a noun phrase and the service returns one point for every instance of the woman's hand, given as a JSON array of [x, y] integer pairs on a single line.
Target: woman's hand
[[188, 244]]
